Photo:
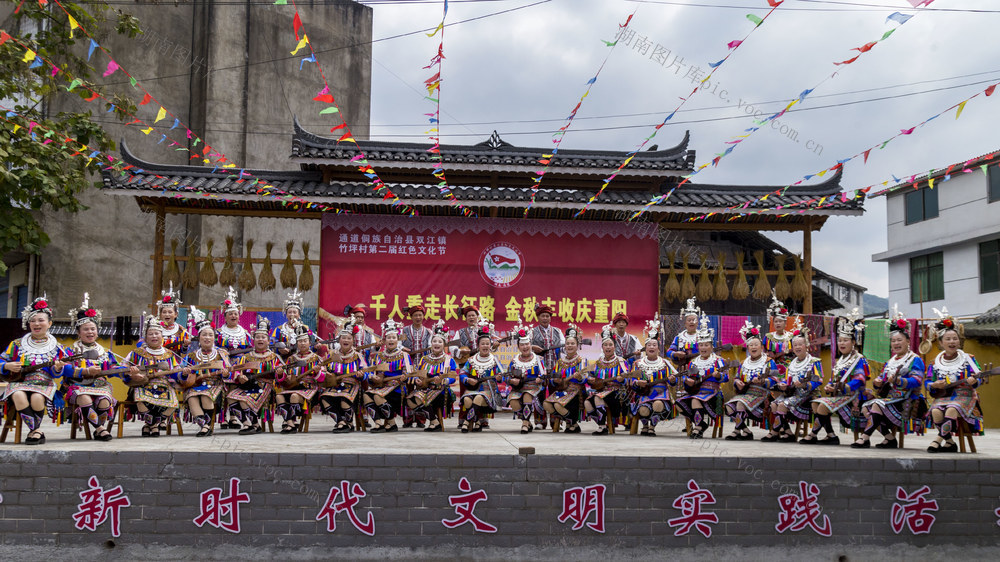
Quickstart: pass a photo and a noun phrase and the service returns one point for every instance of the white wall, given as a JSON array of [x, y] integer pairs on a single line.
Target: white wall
[[965, 218]]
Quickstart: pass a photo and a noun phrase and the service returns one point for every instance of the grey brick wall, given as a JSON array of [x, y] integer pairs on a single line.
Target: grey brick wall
[[408, 496]]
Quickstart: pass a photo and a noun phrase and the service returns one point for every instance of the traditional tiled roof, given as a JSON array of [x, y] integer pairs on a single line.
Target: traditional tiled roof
[[986, 325], [492, 154], [692, 198]]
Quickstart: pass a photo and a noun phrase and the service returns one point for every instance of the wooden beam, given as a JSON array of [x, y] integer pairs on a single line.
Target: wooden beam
[[203, 259], [666, 270], [161, 227], [807, 306]]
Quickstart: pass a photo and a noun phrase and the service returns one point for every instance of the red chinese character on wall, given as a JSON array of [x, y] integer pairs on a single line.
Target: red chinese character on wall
[[691, 515], [580, 503], [801, 510], [351, 495], [912, 514], [214, 507], [465, 505], [98, 505]]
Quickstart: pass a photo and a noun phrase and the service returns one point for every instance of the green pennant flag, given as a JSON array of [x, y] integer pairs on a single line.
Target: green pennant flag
[[887, 34], [329, 110], [756, 20]]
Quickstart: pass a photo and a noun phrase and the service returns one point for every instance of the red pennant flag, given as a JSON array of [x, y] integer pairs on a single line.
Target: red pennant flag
[[774, 3], [848, 61], [989, 91], [866, 47], [346, 136], [341, 126], [92, 97], [866, 155], [325, 98], [146, 99], [4, 36], [297, 23]]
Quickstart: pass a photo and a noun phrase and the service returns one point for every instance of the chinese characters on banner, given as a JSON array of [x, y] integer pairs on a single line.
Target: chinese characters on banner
[[583, 506], [585, 271]]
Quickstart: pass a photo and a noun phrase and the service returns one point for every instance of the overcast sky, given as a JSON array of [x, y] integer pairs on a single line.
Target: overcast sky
[[532, 64]]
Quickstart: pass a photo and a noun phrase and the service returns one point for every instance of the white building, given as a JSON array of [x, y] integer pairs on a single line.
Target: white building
[[944, 240]]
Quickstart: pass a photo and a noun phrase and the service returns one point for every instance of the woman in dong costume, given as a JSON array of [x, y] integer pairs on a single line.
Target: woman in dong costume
[[252, 380], [607, 393], [525, 376], [684, 347], [438, 371], [703, 382], [153, 377], [345, 375], [651, 377], [846, 388], [284, 338], [778, 342], [237, 341], [897, 389], [300, 381], [175, 337], [384, 397], [802, 379], [34, 366], [568, 382], [88, 391], [204, 386], [753, 377], [478, 378], [952, 380]]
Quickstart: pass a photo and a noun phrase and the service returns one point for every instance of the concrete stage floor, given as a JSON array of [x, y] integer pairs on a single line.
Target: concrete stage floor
[[503, 438]]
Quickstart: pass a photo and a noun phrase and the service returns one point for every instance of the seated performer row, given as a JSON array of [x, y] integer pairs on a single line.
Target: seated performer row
[[238, 374]]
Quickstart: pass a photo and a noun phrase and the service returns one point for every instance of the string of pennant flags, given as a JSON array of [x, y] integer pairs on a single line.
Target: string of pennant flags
[[35, 60], [558, 136], [433, 85], [897, 17], [733, 46], [899, 182], [325, 96]]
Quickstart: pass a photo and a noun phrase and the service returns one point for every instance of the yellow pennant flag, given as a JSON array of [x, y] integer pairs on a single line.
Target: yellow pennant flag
[[438, 28], [147, 131], [72, 25], [160, 115], [302, 43], [961, 106], [29, 56]]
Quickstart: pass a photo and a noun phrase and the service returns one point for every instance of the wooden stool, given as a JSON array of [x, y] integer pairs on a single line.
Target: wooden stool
[[900, 435], [176, 419], [11, 420], [716, 427], [306, 416], [965, 434], [75, 423]]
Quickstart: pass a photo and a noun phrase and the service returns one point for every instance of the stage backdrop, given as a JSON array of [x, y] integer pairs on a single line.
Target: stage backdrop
[[586, 271]]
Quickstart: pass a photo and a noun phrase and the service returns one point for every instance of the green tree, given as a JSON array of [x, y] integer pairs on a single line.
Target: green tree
[[35, 175]]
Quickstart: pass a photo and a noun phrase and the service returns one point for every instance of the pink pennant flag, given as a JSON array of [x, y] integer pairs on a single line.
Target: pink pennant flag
[[734, 44], [112, 67], [906, 131]]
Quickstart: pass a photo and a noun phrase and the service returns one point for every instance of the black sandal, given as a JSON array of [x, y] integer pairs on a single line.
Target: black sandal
[[829, 440], [155, 432], [948, 447], [286, 428], [102, 434], [205, 431], [35, 440], [146, 431], [601, 431], [887, 444], [811, 439], [862, 445]]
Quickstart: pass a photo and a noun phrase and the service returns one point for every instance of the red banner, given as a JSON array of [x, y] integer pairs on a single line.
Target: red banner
[[586, 271]]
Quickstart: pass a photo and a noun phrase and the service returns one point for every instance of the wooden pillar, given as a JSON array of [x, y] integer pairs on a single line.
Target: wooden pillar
[[161, 228], [807, 265]]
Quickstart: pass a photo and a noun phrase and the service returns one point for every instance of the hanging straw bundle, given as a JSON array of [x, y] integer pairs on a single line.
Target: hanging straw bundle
[[288, 270], [800, 288], [672, 288], [687, 284], [227, 277], [704, 289], [741, 289], [781, 287], [173, 273], [306, 277], [190, 276], [267, 280], [761, 288], [208, 275], [247, 280], [721, 287]]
